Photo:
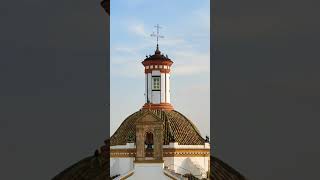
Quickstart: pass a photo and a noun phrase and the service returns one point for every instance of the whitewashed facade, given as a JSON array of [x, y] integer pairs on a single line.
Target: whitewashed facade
[[157, 96], [196, 165]]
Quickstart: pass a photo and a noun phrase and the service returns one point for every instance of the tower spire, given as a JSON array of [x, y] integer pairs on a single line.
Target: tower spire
[[157, 78], [157, 36]]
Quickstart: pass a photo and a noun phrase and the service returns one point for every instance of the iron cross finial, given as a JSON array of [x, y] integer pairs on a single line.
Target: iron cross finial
[[157, 35]]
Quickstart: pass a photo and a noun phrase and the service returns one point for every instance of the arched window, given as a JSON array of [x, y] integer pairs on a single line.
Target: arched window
[[149, 140]]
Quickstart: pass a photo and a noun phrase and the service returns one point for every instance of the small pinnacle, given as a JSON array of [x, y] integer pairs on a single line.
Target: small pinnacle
[[157, 50]]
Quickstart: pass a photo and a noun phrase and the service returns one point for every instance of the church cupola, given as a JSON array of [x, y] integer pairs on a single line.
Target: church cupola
[[157, 79]]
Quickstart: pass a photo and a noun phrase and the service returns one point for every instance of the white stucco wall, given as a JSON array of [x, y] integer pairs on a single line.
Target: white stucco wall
[[120, 165], [149, 86], [155, 73], [163, 88], [198, 166], [146, 171], [146, 87], [168, 87], [156, 97], [195, 165]]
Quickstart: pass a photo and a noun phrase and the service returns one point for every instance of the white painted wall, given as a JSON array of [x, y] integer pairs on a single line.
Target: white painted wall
[[144, 171], [120, 165], [149, 87], [168, 88], [156, 73], [198, 166], [168, 162], [163, 87], [195, 165], [146, 88], [157, 97]]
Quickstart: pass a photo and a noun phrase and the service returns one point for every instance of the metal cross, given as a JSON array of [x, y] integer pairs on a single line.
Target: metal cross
[[157, 35]]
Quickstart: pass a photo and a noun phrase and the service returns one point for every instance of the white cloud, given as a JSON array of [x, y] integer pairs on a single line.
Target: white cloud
[[138, 29]]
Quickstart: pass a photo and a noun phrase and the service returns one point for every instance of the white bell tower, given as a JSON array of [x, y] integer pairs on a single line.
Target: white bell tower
[[157, 79]]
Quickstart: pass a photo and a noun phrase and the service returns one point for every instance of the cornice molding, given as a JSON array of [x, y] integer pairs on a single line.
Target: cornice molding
[[167, 152]]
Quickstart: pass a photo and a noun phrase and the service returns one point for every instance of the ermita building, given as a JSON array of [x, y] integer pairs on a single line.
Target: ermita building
[[158, 142]]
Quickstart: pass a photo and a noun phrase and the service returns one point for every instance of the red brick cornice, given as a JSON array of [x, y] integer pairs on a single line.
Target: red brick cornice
[[161, 106], [157, 62]]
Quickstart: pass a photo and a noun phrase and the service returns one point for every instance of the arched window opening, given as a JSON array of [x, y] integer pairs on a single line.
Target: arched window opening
[[149, 140]]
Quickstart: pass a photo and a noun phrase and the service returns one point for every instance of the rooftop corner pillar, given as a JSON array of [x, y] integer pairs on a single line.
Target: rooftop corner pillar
[[158, 142], [140, 156]]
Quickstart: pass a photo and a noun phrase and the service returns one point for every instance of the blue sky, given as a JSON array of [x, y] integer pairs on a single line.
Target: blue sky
[[186, 28]]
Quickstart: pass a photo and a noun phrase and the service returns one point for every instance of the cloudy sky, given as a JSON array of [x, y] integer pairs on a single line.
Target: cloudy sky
[[186, 28]]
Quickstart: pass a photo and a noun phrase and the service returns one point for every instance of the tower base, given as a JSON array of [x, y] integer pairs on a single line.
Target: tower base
[[161, 106]]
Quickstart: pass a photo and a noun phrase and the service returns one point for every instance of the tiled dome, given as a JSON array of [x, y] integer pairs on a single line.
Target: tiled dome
[[177, 128]]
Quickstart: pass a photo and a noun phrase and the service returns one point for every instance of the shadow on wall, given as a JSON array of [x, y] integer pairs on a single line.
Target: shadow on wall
[[190, 167]]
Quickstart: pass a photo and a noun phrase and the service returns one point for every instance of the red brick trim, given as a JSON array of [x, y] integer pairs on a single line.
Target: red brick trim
[[157, 62], [162, 106]]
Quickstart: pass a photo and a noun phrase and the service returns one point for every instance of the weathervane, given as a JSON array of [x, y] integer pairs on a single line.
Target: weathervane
[[157, 35]]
